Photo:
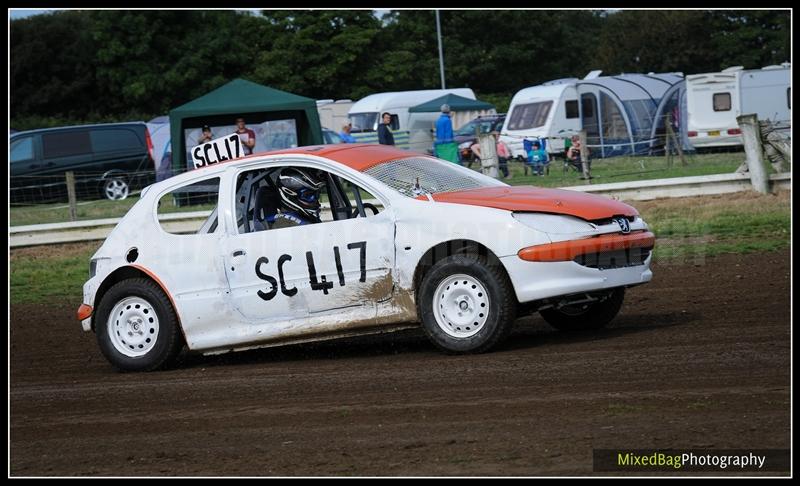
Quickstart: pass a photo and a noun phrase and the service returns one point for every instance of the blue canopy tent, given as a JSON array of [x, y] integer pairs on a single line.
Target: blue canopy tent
[[619, 112]]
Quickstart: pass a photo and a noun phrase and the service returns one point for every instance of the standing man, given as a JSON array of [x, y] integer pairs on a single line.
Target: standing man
[[246, 136], [444, 146], [385, 136]]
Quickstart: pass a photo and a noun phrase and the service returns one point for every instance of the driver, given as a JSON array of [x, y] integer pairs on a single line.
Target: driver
[[298, 192]]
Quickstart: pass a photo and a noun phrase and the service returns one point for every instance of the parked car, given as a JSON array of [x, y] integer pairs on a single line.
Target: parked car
[[443, 245], [108, 160], [465, 135], [330, 136]]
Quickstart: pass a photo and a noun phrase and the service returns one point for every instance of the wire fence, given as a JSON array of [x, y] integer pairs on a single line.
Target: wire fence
[[663, 153], [27, 190]]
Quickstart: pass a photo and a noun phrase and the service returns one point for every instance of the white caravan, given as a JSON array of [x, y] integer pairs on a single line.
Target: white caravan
[[415, 129], [714, 100], [333, 114], [549, 110]]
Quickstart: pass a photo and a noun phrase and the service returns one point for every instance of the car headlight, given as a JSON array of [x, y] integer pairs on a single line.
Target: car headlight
[[554, 223]]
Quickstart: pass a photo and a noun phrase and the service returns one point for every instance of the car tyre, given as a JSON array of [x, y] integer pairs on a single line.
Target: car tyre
[[137, 328], [585, 317], [466, 304]]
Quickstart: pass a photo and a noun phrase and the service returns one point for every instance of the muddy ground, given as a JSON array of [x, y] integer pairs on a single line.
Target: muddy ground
[[699, 358]]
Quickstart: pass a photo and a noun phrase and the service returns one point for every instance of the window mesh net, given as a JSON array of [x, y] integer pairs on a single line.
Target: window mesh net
[[420, 175]]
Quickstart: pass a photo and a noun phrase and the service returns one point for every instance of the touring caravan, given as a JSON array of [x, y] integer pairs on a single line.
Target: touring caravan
[[617, 112], [411, 130], [714, 100], [549, 110], [333, 114]]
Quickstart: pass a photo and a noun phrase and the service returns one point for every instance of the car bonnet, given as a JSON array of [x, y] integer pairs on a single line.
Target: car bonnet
[[533, 199]]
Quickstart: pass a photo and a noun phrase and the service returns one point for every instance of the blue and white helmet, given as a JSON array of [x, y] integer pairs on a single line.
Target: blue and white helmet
[[299, 191]]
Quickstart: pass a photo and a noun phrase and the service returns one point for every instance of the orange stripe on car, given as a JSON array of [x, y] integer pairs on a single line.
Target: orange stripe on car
[[159, 282], [568, 250]]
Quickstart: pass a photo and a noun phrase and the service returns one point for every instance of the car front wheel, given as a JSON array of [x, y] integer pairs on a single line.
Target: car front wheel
[[466, 304], [137, 329]]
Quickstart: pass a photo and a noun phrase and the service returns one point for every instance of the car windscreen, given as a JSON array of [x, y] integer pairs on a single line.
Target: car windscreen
[[22, 149], [529, 115], [416, 176], [363, 122], [332, 137]]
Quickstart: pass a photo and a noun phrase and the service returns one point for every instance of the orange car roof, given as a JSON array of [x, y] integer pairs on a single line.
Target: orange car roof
[[358, 156]]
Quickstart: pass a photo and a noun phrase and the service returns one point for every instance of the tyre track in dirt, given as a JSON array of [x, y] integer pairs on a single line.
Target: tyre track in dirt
[[697, 358]]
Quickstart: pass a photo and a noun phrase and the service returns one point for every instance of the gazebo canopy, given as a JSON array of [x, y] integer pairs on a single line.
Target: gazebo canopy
[[457, 103], [256, 103]]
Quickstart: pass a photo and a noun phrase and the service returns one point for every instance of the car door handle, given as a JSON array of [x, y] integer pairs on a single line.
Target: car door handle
[[239, 253]]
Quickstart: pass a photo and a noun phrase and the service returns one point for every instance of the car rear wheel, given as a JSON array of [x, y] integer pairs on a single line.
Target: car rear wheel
[[116, 189], [137, 329], [466, 304], [580, 317]]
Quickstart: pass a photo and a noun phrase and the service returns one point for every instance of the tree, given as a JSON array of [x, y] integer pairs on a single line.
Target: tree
[[50, 71], [319, 54], [642, 41], [753, 38]]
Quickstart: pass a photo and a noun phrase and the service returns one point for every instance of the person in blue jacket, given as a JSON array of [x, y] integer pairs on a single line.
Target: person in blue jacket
[[345, 134], [444, 145], [538, 159]]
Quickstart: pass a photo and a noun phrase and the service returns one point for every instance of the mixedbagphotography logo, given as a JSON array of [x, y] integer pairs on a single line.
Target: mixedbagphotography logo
[[691, 460]]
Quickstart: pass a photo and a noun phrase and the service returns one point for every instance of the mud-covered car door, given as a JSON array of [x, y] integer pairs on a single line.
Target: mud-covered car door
[[291, 272]]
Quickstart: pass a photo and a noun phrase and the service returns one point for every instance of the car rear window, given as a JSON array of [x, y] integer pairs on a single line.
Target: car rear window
[[65, 144], [108, 140], [200, 198]]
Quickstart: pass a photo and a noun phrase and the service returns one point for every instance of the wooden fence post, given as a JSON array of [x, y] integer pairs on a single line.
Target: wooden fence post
[[489, 160], [73, 202], [754, 153], [584, 155], [671, 134]]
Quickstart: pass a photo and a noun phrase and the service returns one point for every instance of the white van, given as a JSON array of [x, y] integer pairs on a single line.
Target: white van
[[714, 100], [411, 130]]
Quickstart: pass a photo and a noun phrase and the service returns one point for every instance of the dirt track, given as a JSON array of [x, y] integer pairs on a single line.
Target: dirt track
[[699, 358]]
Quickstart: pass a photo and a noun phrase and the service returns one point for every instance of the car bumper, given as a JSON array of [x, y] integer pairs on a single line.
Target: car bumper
[[536, 280], [85, 311]]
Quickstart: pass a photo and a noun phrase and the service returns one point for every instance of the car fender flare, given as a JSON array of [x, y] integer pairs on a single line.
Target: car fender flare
[[142, 271]]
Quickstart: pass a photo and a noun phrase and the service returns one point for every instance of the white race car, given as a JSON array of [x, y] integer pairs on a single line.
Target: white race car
[[402, 239]]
